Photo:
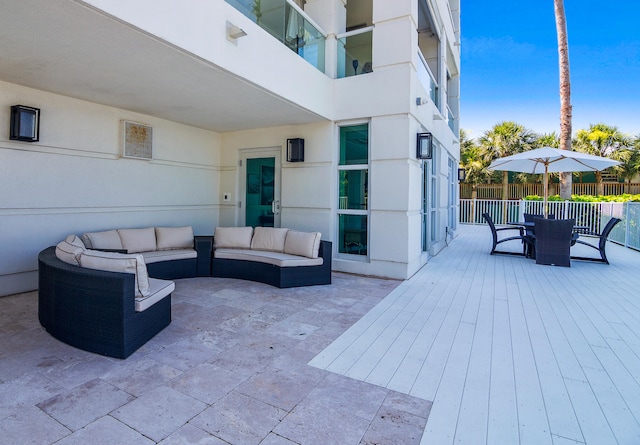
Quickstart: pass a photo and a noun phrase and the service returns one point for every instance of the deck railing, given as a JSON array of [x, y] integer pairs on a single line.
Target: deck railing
[[593, 215]]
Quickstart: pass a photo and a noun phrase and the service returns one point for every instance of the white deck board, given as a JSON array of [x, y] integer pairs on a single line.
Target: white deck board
[[509, 352]]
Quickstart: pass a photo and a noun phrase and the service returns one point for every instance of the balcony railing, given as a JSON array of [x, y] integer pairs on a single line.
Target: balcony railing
[[453, 123], [355, 52], [427, 79], [285, 21], [593, 215]]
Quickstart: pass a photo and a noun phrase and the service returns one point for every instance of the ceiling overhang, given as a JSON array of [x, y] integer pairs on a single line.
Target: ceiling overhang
[[67, 48]]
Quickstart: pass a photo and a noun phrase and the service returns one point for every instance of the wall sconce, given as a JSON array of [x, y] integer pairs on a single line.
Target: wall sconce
[[234, 32], [25, 123], [295, 150], [424, 146], [462, 174]]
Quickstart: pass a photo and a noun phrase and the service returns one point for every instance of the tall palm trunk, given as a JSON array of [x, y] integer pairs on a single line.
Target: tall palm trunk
[[565, 93], [505, 185]]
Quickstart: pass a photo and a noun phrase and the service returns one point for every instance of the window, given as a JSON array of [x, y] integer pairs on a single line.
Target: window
[[353, 190], [452, 180]]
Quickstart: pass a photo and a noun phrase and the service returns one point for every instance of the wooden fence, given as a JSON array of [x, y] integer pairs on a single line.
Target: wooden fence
[[519, 191]]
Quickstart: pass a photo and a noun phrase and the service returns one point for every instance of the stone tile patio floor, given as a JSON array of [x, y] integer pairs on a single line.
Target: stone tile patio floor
[[231, 368]]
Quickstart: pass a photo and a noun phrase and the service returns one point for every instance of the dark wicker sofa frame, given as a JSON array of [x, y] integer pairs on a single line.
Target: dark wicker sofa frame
[[94, 310], [281, 277]]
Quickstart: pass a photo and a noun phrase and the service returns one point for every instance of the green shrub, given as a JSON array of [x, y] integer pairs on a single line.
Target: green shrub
[[589, 198]]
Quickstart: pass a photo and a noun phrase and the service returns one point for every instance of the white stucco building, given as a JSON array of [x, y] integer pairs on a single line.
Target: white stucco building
[[220, 86]]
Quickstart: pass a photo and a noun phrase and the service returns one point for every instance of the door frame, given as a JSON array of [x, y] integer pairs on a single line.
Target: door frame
[[257, 153]]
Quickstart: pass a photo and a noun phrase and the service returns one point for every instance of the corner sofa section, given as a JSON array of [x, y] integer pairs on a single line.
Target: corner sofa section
[[100, 296], [277, 256]]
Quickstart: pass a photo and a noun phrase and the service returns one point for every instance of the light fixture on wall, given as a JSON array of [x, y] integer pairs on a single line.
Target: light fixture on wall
[[462, 174], [424, 146], [25, 123], [234, 32], [295, 150]]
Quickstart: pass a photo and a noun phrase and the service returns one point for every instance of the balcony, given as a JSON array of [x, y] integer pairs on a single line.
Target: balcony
[[428, 80], [289, 24], [355, 52], [453, 122]]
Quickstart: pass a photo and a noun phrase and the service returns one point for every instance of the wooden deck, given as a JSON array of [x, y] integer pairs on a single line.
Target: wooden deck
[[509, 352]]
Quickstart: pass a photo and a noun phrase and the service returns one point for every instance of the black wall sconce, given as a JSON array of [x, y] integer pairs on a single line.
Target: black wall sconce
[[25, 123], [462, 174], [295, 150], [424, 146]]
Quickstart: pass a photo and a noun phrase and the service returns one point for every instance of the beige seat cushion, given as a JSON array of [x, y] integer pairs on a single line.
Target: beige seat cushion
[[233, 237], [119, 262], [158, 290], [268, 238], [109, 239], [302, 243], [168, 238], [262, 256], [168, 255], [138, 240]]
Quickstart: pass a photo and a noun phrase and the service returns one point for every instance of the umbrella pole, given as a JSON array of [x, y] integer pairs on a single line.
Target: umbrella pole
[[545, 185]]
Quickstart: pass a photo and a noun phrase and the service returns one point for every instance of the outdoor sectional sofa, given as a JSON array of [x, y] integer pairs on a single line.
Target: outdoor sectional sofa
[[277, 256], [110, 292]]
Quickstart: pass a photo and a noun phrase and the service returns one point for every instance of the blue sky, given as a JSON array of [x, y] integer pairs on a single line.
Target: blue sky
[[509, 64]]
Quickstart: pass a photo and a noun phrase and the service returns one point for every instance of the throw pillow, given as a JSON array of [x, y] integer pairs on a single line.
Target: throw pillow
[[302, 243], [168, 238], [119, 262], [269, 238], [233, 237], [138, 240]]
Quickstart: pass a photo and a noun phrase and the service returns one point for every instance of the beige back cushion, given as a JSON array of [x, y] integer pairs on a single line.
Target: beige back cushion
[[268, 238], [302, 243], [170, 238], [233, 237], [119, 262], [70, 250], [138, 240], [108, 239]]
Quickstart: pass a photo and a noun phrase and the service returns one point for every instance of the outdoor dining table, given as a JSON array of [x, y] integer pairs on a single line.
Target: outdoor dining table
[[529, 226]]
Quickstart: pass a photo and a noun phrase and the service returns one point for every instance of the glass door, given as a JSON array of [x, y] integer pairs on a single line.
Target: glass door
[[260, 182]]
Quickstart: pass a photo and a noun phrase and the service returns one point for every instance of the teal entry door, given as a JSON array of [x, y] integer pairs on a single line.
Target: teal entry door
[[262, 198]]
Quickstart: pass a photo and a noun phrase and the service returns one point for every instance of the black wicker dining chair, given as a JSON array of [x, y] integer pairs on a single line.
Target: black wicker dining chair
[[526, 241], [602, 242], [553, 238]]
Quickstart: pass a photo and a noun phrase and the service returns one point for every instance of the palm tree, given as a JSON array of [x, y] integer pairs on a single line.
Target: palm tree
[[474, 160], [601, 140], [565, 92], [505, 139], [629, 167]]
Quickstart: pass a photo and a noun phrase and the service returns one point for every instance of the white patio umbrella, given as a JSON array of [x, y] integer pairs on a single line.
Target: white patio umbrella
[[547, 160]]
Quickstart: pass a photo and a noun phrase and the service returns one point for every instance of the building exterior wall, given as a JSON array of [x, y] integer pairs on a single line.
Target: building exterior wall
[[74, 180]]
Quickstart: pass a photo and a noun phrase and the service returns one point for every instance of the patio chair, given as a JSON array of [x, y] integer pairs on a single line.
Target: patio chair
[[526, 241], [553, 238], [602, 242]]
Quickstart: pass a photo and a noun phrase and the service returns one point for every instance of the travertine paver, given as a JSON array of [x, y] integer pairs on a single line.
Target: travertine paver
[[160, 412], [239, 419], [105, 431], [85, 403]]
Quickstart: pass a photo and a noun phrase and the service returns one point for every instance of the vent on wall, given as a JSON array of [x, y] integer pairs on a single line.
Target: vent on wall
[[138, 140]]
